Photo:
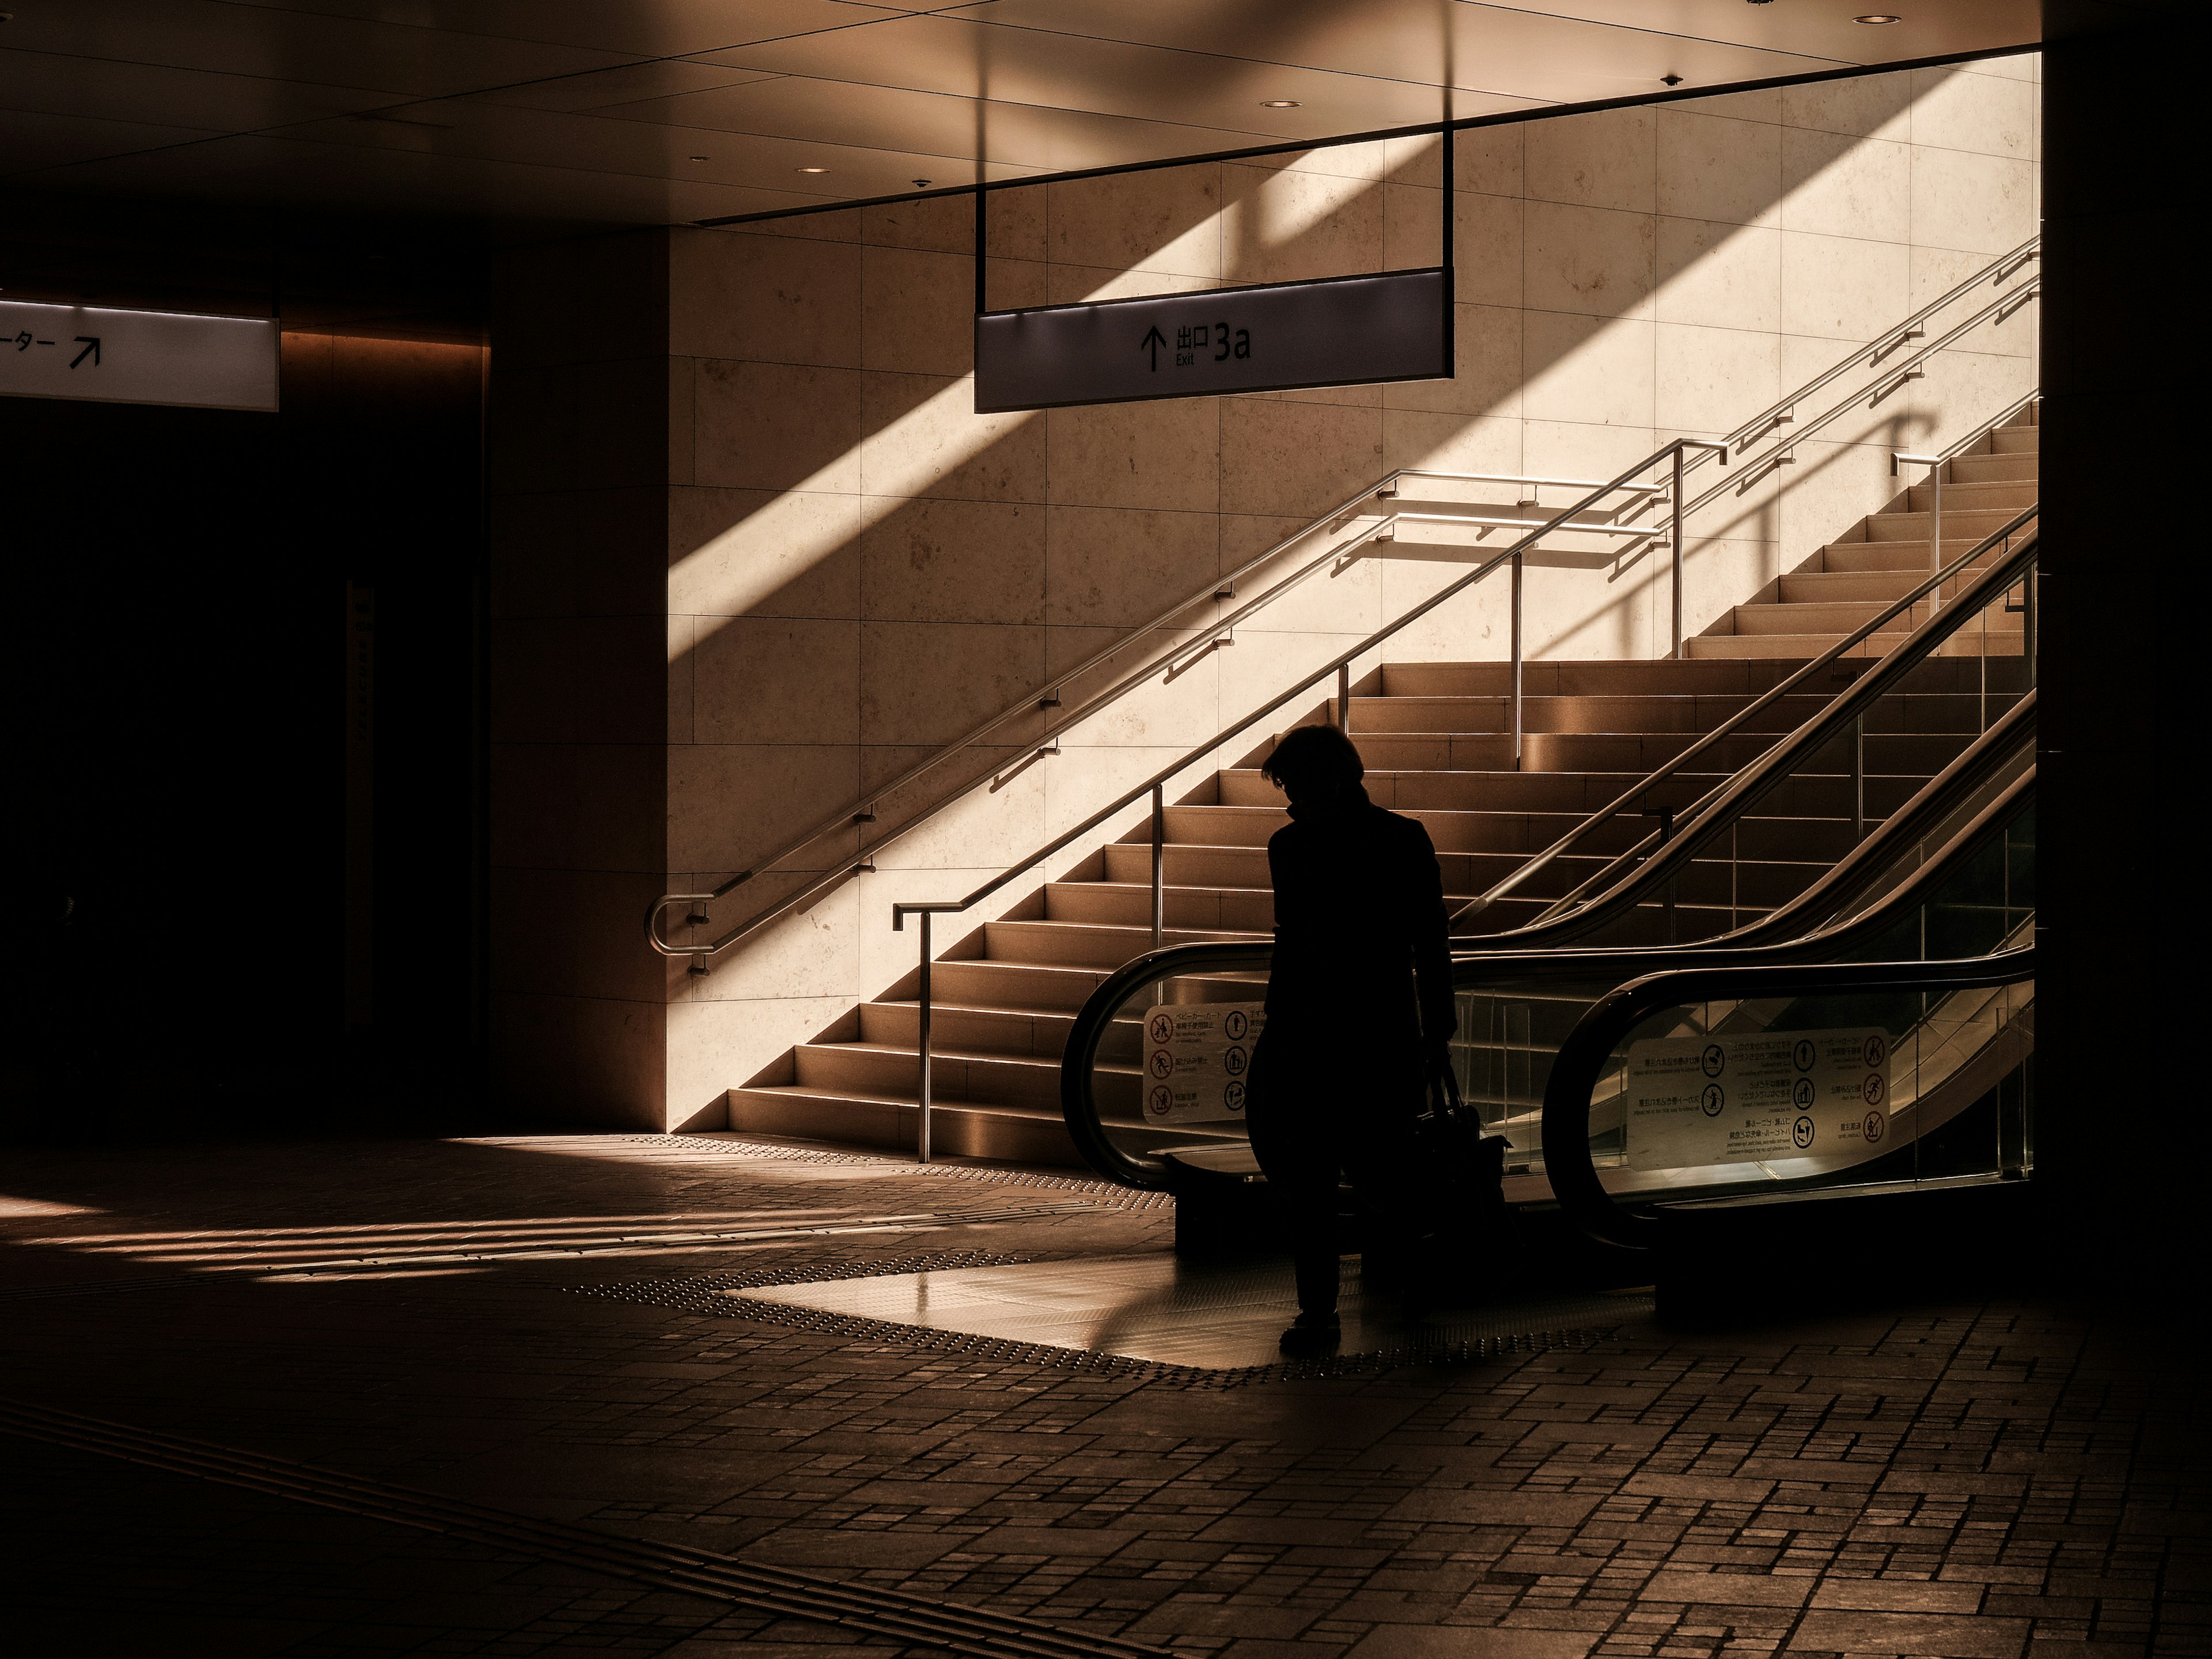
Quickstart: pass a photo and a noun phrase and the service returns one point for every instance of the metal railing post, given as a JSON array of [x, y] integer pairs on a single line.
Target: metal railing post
[[1344, 698], [1517, 662], [1159, 862], [2028, 625], [1677, 652], [921, 1145], [1858, 780], [1935, 533]]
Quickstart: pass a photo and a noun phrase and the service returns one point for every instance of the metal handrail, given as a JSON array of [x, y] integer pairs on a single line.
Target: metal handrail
[[1727, 728], [1783, 413], [1747, 945], [862, 811], [1172, 660], [1567, 1163], [1706, 814], [1155, 785]]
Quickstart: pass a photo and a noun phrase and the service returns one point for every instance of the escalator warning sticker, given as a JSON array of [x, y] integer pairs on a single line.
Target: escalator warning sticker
[[1196, 1055], [1789, 1095]]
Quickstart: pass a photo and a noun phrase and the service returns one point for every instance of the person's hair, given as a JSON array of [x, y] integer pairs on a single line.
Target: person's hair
[[1313, 757]]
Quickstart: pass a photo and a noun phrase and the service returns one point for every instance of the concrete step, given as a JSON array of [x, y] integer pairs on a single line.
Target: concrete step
[[881, 1071], [960, 1130], [1572, 679], [1994, 469], [2016, 440], [1688, 712], [1973, 522], [1907, 556], [2009, 495], [1795, 647], [1087, 944]]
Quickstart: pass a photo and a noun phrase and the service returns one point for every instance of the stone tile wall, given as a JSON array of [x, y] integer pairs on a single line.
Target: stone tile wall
[[860, 568]]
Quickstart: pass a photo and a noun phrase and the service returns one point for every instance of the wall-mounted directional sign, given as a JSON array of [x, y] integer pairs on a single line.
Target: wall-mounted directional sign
[[1339, 331], [137, 356]]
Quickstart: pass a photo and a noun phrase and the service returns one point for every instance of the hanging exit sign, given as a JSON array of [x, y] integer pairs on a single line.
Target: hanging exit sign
[[107, 355], [1272, 337]]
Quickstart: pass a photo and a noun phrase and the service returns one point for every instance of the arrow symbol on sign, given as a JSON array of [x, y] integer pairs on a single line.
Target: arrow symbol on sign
[[1155, 339], [91, 345]]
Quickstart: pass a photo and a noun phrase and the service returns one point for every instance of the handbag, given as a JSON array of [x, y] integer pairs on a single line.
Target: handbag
[[1467, 1166]]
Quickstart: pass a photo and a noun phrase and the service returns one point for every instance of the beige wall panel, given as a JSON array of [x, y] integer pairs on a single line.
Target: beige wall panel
[[812, 953], [1587, 370], [1710, 380], [1296, 458], [1416, 160], [1718, 275], [1716, 575], [1487, 348], [712, 1044], [1015, 284], [1829, 489], [1068, 285], [731, 804], [946, 224], [1473, 626], [999, 823], [765, 298], [929, 682], [1123, 566], [1167, 221], [1014, 225], [1729, 172], [1283, 225], [1840, 186], [763, 553], [830, 225], [1986, 203], [1343, 594], [777, 679], [924, 438], [1451, 443], [1605, 159], [1988, 114], [777, 425], [1158, 455], [1842, 287], [929, 561], [1594, 261], [918, 311], [683, 423], [1491, 160], [1489, 256], [682, 634], [1861, 106], [1412, 226], [1581, 449]]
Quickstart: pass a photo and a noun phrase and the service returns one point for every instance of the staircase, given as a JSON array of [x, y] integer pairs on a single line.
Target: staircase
[[1798, 615], [1435, 738]]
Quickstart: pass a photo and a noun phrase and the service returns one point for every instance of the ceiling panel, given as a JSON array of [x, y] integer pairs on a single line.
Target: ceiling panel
[[584, 111]]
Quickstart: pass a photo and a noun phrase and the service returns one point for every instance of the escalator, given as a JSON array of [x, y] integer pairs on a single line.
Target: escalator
[[1914, 943]]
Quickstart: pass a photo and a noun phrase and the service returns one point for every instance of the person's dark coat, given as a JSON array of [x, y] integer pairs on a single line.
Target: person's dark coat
[[1362, 973]]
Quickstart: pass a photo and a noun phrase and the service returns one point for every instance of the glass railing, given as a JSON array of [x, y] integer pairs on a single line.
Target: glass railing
[[1736, 1085], [1157, 1062]]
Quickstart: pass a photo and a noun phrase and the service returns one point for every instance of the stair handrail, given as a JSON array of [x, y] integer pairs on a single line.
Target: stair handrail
[[1667, 769], [1783, 412], [1168, 661], [861, 810], [1660, 848], [1340, 666], [1567, 1163]]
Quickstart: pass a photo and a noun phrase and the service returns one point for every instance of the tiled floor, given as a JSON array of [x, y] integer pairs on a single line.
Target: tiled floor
[[2020, 1480]]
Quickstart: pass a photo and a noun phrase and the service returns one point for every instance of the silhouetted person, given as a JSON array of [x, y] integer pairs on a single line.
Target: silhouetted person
[[1359, 1013]]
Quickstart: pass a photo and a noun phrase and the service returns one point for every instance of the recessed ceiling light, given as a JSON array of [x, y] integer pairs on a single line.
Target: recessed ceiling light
[[1280, 103], [698, 158], [813, 169], [921, 184], [1877, 17]]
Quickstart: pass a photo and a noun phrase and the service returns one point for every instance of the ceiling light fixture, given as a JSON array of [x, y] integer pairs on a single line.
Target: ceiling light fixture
[[811, 169], [921, 184], [1670, 80], [1877, 17], [698, 158], [1280, 103]]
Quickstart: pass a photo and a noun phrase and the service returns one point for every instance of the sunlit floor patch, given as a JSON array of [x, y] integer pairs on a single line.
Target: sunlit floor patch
[[1155, 1308]]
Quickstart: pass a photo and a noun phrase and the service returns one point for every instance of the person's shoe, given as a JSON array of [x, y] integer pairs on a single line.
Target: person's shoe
[[1311, 1336]]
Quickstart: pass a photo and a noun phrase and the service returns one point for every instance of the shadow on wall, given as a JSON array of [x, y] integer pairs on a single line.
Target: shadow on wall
[[1009, 535]]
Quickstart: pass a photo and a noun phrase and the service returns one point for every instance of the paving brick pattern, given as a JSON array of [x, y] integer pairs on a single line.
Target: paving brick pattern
[[2020, 1480]]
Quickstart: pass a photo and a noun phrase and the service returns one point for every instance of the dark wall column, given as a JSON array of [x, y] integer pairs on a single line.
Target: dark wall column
[[2124, 1020]]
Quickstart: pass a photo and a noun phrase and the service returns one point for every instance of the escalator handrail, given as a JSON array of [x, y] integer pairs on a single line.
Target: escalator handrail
[[1636, 870], [1772, 933], [1567, 1163], [1079, 1103]]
